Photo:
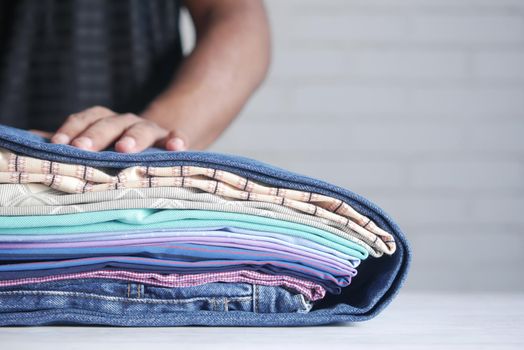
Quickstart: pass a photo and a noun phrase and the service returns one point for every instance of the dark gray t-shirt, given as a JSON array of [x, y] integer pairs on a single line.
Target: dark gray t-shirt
[[60, 56]]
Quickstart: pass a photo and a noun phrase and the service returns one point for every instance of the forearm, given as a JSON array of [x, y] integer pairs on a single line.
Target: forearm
[[229, 61]]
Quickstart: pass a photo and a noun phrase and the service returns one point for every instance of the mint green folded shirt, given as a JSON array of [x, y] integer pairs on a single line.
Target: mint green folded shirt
[[147, 219]]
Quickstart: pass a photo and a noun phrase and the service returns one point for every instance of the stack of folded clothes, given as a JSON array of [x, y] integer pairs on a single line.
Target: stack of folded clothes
[[184, 238]]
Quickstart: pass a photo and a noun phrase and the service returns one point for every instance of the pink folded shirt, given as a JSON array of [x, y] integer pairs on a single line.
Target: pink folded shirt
[[311, 291]]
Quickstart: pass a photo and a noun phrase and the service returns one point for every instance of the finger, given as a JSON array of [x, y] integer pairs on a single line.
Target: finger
[[45, 134], [78, 122], [140, 136], [104, 132], [175, 141]]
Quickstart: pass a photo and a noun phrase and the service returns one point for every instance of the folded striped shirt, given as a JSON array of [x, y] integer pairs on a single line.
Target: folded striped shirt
[[73, 178]]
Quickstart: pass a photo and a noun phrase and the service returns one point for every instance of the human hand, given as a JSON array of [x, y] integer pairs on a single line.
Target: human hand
[[96, 128]]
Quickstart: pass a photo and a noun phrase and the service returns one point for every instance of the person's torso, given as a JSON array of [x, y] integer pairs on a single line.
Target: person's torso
[[59, 57]]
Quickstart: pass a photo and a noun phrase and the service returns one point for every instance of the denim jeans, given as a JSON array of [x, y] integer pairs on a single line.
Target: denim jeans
[[138, 304], [378, 282]]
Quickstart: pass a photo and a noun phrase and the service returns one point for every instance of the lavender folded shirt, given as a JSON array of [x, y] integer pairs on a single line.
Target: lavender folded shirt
[[168, 234], [203, 250], [175, 252], [267, 244]]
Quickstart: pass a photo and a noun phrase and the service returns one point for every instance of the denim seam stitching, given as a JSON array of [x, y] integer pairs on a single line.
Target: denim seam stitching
[[257, 298], [116, 299]]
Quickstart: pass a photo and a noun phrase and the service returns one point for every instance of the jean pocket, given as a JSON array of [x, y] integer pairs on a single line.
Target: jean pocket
[[139, 300]]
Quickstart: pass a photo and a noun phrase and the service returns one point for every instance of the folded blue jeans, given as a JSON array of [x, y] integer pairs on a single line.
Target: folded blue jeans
[[378, 282], [114, 302]]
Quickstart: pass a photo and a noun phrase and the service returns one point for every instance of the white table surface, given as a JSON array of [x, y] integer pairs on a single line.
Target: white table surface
[[412, 321]]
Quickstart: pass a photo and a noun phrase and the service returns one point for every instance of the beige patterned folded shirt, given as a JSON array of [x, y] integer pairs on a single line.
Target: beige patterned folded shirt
[[73, 178]]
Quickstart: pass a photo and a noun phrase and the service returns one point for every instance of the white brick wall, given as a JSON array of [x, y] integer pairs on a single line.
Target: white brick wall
[[417, 104]]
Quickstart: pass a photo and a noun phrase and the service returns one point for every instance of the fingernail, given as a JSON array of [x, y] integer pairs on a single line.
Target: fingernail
[[60, 138], [127, 143], [176, 144], [83, 142]]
